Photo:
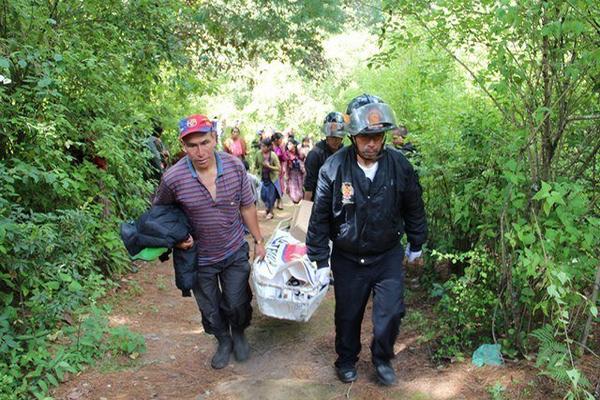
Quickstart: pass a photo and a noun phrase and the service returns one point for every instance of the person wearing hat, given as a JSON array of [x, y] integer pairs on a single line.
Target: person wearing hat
[[160, 153], [333, 128], [399, 142], [213, 190], [368, 196]]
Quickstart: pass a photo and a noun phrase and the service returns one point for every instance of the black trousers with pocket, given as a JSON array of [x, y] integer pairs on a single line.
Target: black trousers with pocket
[[354, 284], [223, 294]]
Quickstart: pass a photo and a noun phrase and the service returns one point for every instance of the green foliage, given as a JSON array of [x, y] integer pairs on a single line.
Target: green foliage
[[276, 94], [133, 289], [463, 312], [508, 162], [500, 99], [556, 360], [235, 32], [123, 341], [415, 320], [497, 391], [40, 359], [80, 84]]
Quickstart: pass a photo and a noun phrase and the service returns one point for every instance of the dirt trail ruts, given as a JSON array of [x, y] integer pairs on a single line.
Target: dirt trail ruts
[[288, 360]]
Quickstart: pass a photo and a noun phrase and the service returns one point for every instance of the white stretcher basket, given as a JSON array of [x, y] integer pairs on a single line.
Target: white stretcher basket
[[275, 298]]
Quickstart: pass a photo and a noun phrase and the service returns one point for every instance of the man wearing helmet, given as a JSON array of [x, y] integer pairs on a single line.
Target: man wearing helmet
[[333, 128], [399, 142], [367, 197]]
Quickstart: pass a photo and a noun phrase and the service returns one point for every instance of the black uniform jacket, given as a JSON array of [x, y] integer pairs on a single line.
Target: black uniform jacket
[[164, 226], [365, 219], [314, 161]]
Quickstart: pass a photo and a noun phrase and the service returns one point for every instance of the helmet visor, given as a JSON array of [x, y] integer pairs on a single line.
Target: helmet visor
[[335, 129], [372, 118]]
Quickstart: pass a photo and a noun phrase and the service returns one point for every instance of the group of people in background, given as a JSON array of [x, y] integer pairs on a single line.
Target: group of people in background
[[280, 163], [284, 164]]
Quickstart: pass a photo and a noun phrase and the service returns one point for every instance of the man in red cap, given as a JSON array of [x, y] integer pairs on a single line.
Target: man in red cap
[[213, 190]]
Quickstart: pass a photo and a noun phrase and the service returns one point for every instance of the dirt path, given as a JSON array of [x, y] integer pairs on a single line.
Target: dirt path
[[288, 360]]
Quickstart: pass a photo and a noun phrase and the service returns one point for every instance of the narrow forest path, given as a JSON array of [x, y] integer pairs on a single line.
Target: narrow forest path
[[288, 360]]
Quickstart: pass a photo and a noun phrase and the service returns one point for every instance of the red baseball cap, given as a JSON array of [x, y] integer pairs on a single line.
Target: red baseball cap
[[194, 123]]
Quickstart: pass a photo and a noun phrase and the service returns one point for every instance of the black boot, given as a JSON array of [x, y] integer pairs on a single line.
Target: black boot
[[346, 374], [241, 349], [221, 357], [385, 374]]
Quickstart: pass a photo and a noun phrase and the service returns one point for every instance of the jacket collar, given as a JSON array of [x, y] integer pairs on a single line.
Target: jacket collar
[[380, 178], [323, 146]]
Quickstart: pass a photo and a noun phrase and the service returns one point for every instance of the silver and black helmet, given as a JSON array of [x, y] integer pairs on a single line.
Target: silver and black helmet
[[334, 125], [369, 114]]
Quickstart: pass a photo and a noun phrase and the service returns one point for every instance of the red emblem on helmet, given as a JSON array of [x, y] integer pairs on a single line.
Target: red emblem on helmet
[[374, 117]]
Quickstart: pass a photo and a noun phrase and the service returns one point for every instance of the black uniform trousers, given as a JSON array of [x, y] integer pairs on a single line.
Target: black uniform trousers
[[223, 294], [354, 283]]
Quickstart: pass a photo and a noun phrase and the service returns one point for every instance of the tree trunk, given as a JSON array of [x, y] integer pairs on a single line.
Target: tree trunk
[[594, 299], [547, 150]]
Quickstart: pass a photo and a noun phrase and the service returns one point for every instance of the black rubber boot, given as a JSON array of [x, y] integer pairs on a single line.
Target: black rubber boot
[[241, 349], [221, 357]]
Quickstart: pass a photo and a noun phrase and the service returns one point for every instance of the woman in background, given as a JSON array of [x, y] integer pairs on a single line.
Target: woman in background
[[280, 149], [305, 147], [235, 145], [295, 172], [267, 162]]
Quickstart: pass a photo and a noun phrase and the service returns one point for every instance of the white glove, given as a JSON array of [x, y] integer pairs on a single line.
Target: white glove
[[412, 255], [323, 276]]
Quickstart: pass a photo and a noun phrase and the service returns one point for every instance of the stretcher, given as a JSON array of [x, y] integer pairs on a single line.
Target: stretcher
[[285, 282]]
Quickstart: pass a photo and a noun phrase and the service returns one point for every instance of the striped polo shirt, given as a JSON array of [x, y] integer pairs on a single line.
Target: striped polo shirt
[[218, 225]]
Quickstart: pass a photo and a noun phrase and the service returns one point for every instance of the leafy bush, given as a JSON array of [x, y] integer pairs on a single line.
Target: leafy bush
[[37, 359], [73, 120], [504, 201], [79, 85], [123, 341], [463, 311], [554, 358]]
